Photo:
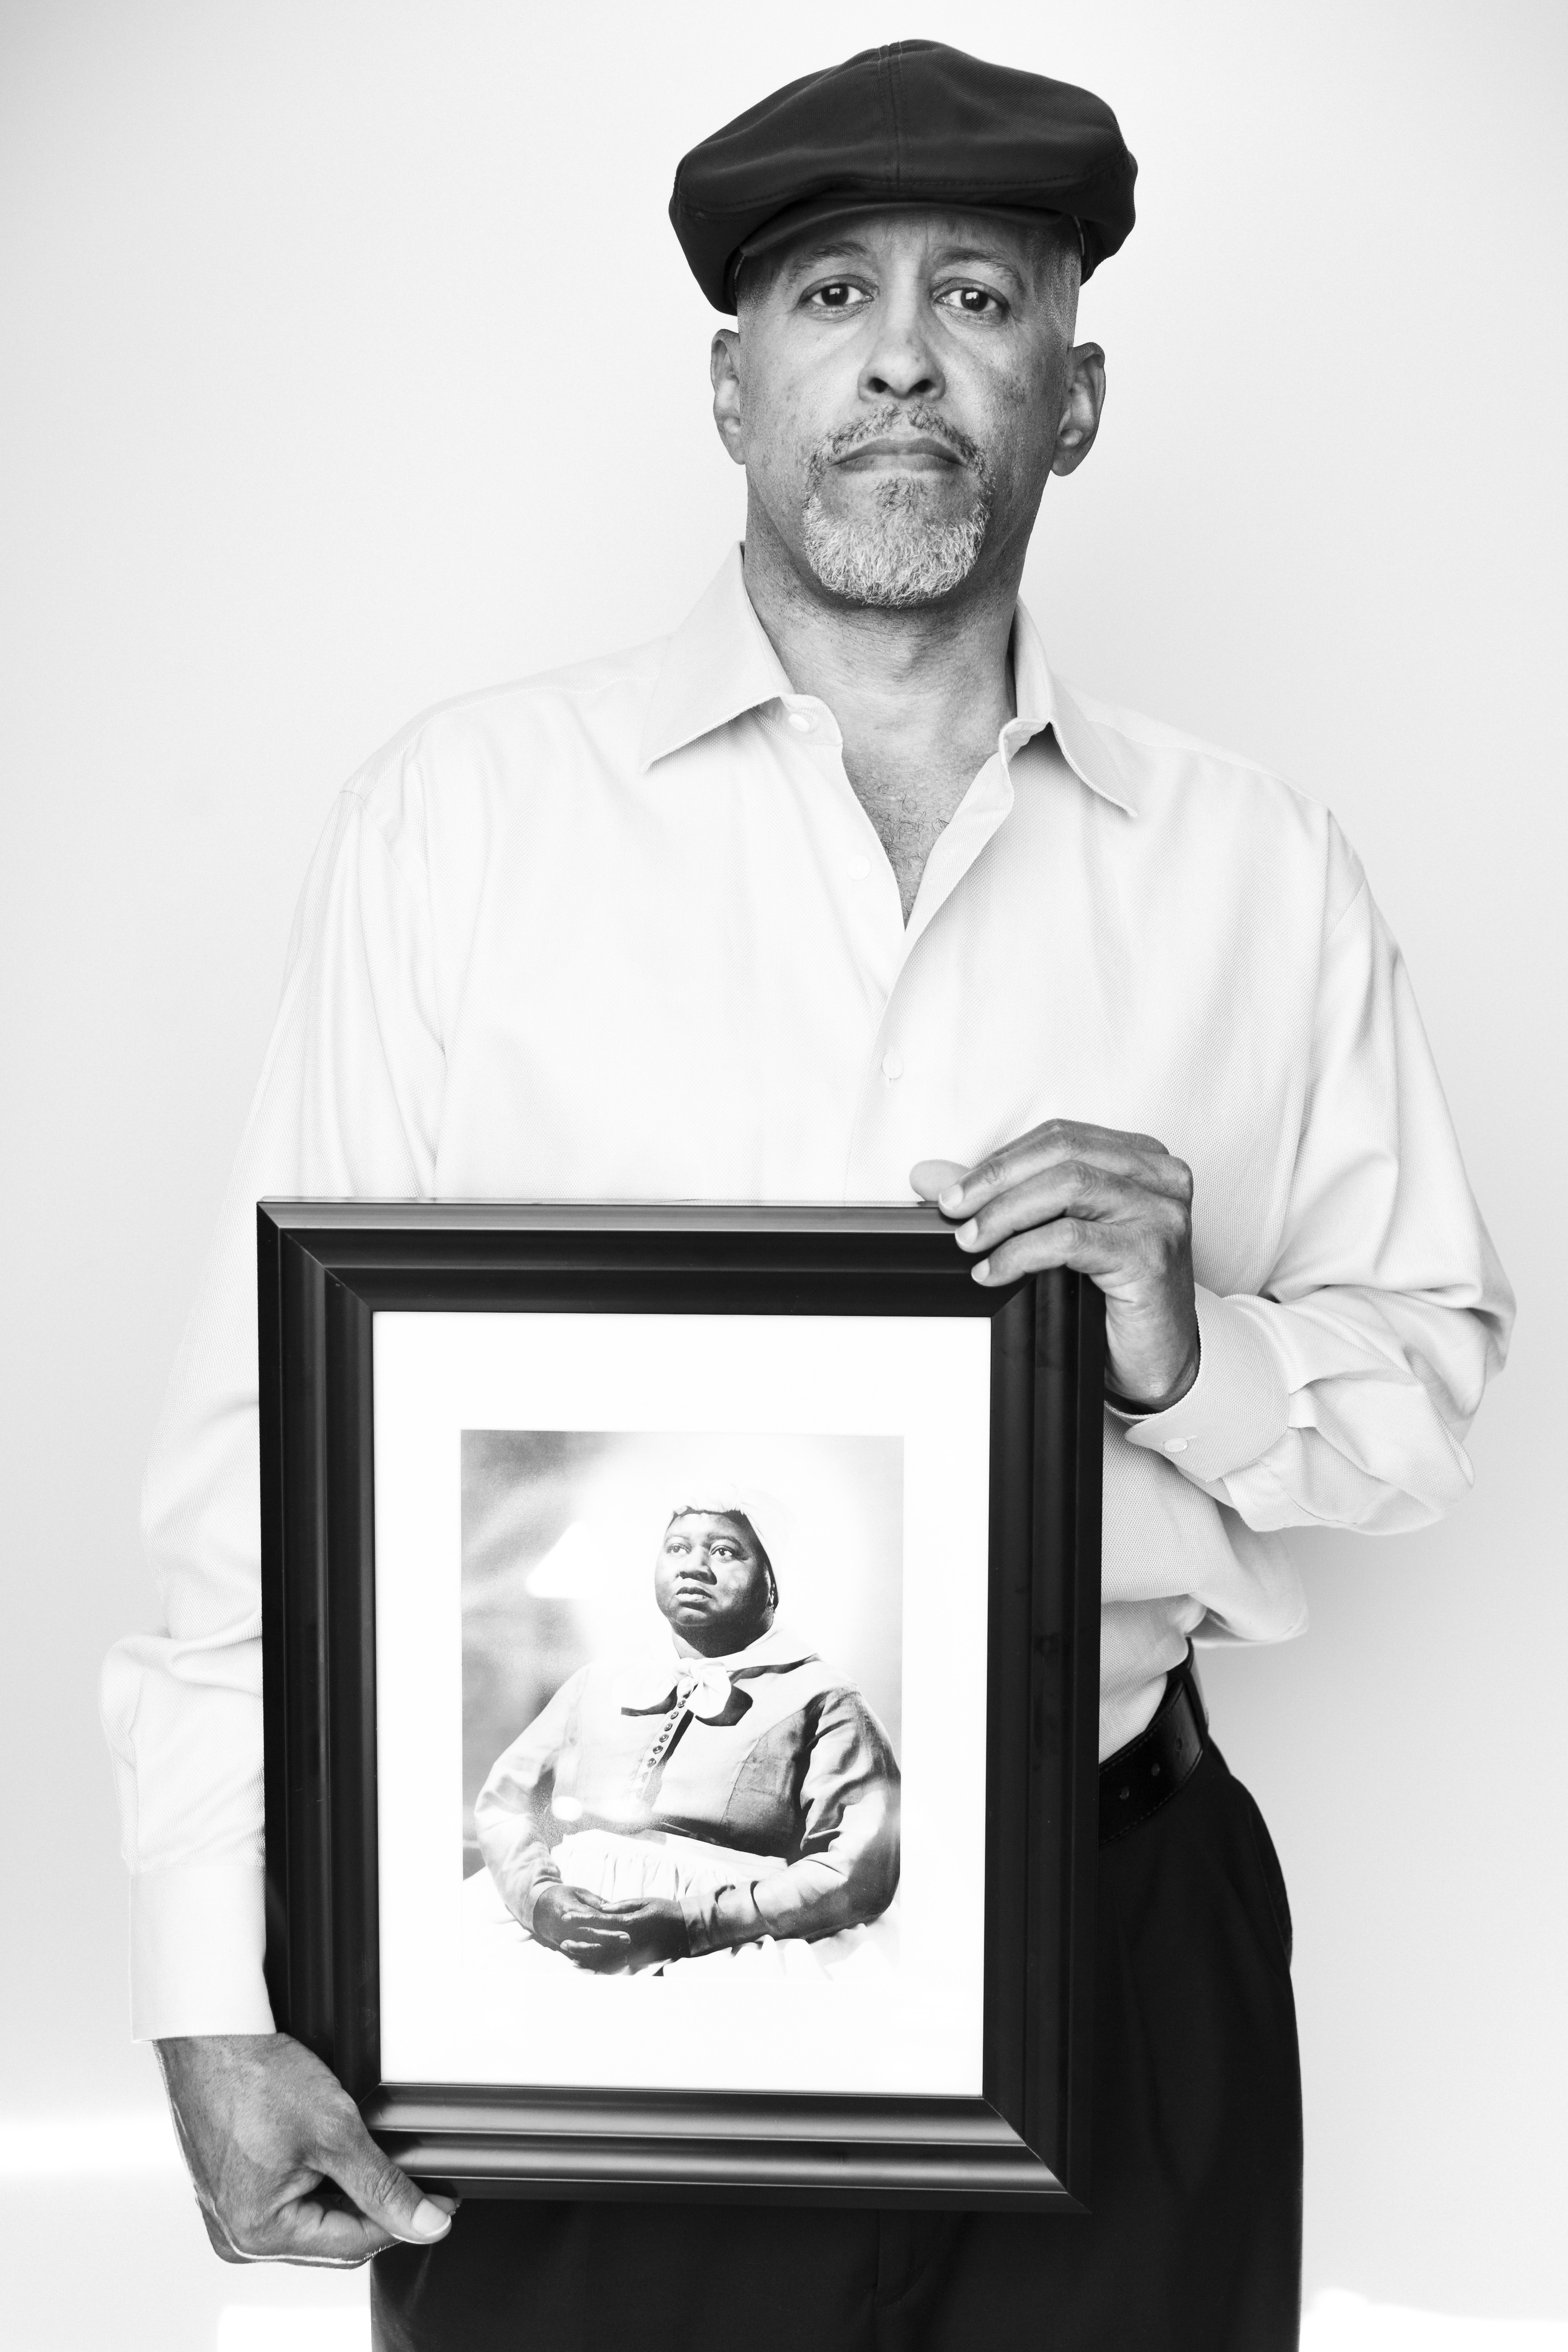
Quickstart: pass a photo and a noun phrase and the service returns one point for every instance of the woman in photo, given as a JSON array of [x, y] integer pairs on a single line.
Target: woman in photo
[[735, 1795]]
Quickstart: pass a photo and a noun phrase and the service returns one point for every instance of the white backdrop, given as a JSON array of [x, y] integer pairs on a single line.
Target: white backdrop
[[347, 360]]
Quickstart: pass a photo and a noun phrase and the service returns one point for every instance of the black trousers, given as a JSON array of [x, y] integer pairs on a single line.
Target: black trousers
[[1192, 2243]]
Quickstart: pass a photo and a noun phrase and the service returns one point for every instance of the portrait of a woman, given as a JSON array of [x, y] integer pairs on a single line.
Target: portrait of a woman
[[731, 1794]]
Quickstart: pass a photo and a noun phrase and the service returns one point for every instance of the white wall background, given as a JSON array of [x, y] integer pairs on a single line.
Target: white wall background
[[347, 361]]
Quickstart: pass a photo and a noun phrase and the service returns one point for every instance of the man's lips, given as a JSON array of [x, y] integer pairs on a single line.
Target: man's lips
[[919, 451]]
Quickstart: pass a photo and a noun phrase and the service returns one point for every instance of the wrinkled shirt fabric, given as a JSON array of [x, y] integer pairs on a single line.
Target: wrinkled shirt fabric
[[626, 932]]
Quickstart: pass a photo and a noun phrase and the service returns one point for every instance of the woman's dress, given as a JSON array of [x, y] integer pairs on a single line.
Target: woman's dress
[[758, 1791]]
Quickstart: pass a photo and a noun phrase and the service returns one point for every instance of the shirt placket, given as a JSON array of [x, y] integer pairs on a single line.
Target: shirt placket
[[863, 883], [899, 1085]]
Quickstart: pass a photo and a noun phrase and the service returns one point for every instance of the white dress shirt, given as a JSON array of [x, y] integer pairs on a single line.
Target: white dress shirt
[[626, 932]]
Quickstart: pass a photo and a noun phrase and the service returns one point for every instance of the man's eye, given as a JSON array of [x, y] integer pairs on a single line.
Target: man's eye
[[838, 295], [678, 1543], [974, 301]]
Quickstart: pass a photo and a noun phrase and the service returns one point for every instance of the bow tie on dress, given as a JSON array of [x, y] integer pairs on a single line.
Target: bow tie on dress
[[701, 1687], [704, 1685], [704, 1688]]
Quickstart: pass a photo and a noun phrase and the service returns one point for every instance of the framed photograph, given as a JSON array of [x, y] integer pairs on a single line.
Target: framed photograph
[[681, 1673]]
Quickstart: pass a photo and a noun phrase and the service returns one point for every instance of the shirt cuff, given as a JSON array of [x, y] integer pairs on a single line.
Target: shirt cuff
[[199, 1934], [523, 1908], [1237, 1408], [719, 1917]]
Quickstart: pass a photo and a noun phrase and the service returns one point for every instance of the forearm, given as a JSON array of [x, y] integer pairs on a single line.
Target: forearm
[[512, 1807], [817, 1896], [517, 1857], [809, 1898]]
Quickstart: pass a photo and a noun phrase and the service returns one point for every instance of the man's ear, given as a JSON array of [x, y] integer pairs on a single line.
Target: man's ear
[[724, 367], [1083, 399]]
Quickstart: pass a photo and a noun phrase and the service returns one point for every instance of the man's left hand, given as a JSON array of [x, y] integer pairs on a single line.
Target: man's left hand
[[1116, 1207]]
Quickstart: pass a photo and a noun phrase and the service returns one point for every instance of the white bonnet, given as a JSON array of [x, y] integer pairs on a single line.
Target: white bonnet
[[723, 1495]]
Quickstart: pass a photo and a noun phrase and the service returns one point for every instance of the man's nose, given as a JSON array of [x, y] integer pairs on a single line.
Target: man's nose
[[902, 362]]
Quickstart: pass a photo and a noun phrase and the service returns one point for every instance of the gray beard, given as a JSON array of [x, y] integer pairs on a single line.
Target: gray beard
[[896, 556]]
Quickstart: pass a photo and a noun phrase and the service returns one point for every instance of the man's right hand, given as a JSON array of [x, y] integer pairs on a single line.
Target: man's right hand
[[285, 2171]]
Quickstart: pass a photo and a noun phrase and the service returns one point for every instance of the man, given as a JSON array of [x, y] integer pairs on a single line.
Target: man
[[739, 1792], [836, 885]]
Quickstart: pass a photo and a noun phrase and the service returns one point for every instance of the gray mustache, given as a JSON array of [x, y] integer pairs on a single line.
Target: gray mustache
[[893, 419]]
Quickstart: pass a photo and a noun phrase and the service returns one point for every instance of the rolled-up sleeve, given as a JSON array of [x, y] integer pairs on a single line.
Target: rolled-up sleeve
[[847, 1871], [1340, 1394], [348, 1106]]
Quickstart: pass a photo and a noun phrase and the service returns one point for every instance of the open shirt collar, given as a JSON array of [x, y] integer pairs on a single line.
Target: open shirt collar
[[720, 665]]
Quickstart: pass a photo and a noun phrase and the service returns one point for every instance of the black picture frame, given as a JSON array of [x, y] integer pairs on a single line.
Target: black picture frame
[[325, 1270]]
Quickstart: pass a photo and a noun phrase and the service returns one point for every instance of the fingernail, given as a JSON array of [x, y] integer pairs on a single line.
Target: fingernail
[[982, 1271], [952, 1200], [430, 2222]]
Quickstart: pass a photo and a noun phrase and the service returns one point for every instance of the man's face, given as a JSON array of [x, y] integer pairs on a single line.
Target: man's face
[[899, 389], [710, 1581]]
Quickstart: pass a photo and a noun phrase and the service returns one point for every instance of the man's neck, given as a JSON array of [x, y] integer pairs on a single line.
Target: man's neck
[[919, 696]]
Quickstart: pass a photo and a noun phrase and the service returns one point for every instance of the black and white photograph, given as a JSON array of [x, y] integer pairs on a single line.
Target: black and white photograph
[[687, 1723], [720, 1786], [784, 801]]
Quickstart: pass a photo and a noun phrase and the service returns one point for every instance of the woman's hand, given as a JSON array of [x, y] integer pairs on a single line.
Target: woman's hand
[[655, 1929], [606, 1936], [580, 1925]]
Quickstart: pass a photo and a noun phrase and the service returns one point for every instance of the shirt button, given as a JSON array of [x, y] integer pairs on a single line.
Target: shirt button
[[858, 868], [892, 1065], [1175, 1444], [800, 722]]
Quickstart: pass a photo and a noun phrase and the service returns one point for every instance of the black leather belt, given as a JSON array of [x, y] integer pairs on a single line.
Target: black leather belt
[[1147, 1773]]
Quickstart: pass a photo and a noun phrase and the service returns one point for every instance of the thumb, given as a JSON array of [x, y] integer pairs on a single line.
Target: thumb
[[383, 2190], [930, 1177]]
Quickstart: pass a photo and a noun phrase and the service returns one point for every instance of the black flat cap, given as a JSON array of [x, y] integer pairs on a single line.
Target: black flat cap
[[911, 124]]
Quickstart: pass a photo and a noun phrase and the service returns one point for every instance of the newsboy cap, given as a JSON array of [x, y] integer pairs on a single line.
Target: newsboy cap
[[913, 122]]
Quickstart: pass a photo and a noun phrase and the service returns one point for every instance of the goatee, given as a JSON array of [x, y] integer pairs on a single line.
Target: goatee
[[898, 554]]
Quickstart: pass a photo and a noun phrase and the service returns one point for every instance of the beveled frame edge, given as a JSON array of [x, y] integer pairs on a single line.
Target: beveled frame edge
[[323, 1270]]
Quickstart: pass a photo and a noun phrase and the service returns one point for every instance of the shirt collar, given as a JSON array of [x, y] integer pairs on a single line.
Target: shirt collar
[[648, 1686], [1044, 701], [720, 663]]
